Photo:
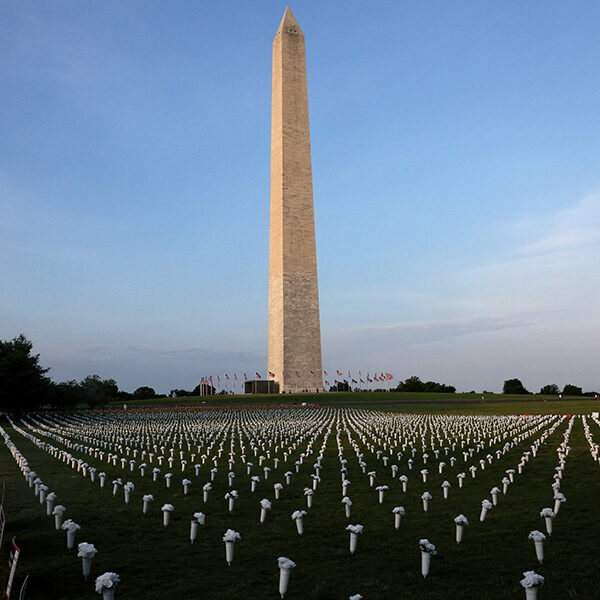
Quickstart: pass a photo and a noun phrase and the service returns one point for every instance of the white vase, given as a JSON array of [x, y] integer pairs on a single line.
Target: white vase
[[483, 514], [548, 525], [348, 509], [263, 515], [397, 518], [284, 578], [460, 529], [353, 542], [531, 593], [300, 526], [166, 517], [58, 518], [108, 593], [229, 552], [445, 492], [193, 530], [86, 565], [425, 563], [70, 539], [539, 550]]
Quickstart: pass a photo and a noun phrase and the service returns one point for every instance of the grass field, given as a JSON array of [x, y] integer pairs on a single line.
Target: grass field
[[157, 562]]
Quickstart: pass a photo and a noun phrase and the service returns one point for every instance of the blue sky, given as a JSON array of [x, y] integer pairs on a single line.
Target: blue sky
[[456, 165]]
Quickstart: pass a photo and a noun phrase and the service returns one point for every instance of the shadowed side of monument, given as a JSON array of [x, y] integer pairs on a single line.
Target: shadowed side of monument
[[294, 325]]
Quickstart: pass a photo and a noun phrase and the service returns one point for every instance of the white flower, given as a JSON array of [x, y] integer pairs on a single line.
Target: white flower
[[148, 498], [264, 503], [346, 500], [426, 496], [355, 528], [399, 510], [200, 517], [107, 580], [231, 535], [285, 563], [486, 504], [536, 536], [461, 520], [547, 512], [427, 546], [167, 508], [86, 550], [70, 525], [531, 579], [298, 514]]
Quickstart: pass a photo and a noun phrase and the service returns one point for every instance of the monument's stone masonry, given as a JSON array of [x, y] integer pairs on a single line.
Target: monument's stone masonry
[[294, 326]]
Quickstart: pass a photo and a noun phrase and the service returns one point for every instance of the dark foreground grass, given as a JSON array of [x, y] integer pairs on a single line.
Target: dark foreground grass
[[158, 563]]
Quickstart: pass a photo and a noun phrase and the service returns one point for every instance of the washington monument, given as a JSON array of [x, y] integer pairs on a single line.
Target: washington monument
[[294, 327]]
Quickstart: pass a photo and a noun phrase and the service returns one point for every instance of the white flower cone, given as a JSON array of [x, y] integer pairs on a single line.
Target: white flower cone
[[70, 539], [49, 506], [425, 563], [115, 488], [263, 515], [504, 488], [42, 496], [253, 486], [483, 514], [556, 506], [58, 519], [205, 496], [309, 500], [344, 490], [460, 482], [381, 492], [353, 542], [348, 510], [397, 519], [445, 492], [277, 491], [166, 517], [539, 550], [531, 593], [460, 529], [127, 493], [168, 481], [145, 506], [548, 525], [86, 565], [108, 594], [300, 525], [193, 530], [231, 504], [229, 552], [284, 579], [404, 484], [186, 489], [425, 504]]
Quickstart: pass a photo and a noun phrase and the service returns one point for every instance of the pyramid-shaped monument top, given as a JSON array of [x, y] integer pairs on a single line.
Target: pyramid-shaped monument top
[[289, 23]]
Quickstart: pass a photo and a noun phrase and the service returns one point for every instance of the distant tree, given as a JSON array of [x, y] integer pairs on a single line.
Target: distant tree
[[66, 395], [550, 390], [572, 390], [179, 393], [143, 393], [414, 384], [23, 384], [99, 392], [514, 386]]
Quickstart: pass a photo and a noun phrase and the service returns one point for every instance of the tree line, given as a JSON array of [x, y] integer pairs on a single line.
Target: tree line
[[515, 386]]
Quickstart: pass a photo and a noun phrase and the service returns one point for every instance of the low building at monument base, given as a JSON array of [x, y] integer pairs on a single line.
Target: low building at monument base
[[261, 386]]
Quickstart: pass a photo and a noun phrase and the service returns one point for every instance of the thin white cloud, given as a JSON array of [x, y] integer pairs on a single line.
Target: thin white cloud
[[573, 227]]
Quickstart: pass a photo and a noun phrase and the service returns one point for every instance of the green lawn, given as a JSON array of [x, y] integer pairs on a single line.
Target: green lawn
[[156, 562]]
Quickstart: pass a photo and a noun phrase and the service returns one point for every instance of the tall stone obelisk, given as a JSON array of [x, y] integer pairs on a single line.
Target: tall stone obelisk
[[294, 326]]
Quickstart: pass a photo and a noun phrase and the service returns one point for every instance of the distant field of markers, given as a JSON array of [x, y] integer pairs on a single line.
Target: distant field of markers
[[379, 496]]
